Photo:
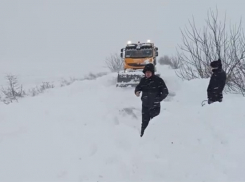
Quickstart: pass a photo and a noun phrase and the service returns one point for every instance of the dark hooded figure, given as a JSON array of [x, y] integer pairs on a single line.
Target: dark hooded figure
[[217, 82], [153, 90]]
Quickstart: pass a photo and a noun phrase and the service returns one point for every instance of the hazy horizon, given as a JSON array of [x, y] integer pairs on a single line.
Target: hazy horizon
[[87, 31]]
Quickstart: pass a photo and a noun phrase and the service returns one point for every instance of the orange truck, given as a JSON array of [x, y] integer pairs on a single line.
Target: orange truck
[[136, 56]]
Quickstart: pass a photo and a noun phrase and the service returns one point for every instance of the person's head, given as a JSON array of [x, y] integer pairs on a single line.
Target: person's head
[[216, 65], [148, 74], [149, 70]]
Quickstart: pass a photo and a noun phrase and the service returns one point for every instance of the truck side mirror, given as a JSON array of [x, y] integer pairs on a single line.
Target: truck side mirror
[[157, 48], [121, 55], [122, 50], [156, 54]]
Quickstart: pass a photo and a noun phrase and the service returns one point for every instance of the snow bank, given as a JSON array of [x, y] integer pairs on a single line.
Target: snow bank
[[34, 73], [90, 131]]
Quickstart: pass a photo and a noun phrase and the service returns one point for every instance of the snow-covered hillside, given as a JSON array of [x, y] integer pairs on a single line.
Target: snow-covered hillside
[[33, 73], [90, 131]]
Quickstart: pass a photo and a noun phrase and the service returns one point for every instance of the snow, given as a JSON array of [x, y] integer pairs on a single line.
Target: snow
[[32, 73], [90, 131]]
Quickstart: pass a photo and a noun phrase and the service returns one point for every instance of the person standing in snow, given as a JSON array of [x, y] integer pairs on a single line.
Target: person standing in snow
[[154, 91], [216, 83]]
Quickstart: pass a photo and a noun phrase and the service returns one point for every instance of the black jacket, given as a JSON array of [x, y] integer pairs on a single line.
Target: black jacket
[[153, 91], [216, 85]]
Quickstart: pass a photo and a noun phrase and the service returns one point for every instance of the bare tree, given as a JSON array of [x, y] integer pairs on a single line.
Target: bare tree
[[13, 90], [40, 89], [114, 62], [214, 42], [173, 62], [165, 60]]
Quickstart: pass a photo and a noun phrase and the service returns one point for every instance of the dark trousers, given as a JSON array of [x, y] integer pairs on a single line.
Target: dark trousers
[[212, 101], [147, 115], [218, 97]]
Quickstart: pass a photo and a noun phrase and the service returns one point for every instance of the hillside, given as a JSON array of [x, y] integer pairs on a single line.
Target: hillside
[[90, 131]]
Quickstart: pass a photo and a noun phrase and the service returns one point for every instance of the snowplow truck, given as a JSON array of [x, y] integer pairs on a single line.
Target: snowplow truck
[[135, 57]]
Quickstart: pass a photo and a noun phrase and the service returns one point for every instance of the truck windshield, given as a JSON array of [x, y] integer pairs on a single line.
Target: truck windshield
[[138, 53]]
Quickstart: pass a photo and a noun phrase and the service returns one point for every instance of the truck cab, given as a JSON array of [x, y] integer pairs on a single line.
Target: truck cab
[[137, 55]]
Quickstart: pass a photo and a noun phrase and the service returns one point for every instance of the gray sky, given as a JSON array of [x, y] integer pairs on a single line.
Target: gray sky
[[89, 30]]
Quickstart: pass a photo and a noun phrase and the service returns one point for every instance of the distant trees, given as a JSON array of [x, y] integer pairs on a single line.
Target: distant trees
[[114, 62], [173, 62], [12, 91]]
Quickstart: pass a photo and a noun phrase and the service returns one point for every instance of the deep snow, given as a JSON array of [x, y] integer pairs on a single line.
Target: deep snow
[[90, 131], [33, 73]]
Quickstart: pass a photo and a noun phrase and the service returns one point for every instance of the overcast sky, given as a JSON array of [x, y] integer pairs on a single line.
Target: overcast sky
[[89, 30]]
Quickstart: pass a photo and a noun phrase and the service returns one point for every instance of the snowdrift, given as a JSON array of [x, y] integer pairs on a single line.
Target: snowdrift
[[90, 131]]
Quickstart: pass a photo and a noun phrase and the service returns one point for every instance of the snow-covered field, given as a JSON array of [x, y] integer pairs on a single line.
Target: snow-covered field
[[31, 74], [90, 131]]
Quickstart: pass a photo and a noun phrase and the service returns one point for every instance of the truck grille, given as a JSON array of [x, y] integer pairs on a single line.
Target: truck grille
[[136, 65]]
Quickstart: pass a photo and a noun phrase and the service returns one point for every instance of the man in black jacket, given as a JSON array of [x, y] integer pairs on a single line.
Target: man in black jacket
[[153, 90], [217, 82]]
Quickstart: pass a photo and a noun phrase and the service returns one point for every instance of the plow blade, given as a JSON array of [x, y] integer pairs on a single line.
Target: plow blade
[[125, 79], [128, 79]]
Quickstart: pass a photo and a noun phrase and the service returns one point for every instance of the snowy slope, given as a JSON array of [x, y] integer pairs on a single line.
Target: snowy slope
[[89, 131], [31, 74]]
